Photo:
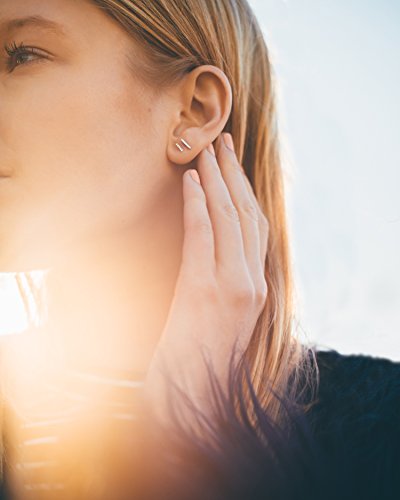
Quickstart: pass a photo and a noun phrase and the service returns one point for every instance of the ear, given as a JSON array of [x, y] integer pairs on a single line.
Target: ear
[[203, 106]]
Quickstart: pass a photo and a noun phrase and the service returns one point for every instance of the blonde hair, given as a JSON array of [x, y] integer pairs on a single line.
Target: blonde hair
[[176, 36]]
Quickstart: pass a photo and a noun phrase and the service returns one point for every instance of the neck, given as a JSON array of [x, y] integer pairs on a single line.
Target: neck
[[108, 303]]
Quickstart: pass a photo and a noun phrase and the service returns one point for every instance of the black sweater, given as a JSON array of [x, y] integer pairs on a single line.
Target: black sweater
[[357, 423], [346, 447]]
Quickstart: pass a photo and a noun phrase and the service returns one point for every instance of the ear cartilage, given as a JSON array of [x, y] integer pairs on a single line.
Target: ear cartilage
[[186, 144], [178, 146]]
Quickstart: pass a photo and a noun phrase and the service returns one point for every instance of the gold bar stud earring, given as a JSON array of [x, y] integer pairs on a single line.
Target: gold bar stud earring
[[185, 143]]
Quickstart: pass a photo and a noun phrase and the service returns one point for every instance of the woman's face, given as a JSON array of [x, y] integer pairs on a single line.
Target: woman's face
[[82, 152]]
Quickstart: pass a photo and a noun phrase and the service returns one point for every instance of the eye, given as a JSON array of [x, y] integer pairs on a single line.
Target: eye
[[18, 54]]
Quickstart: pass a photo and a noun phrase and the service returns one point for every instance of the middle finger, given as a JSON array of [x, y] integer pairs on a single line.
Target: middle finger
[[235, 180], [229, 248]]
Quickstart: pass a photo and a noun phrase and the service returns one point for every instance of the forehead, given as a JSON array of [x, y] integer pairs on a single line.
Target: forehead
[[46, 15], [54, 9], [61, 17], [11, 24]]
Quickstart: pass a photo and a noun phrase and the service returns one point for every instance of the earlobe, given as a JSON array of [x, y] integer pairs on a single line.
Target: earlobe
[[182, 150]]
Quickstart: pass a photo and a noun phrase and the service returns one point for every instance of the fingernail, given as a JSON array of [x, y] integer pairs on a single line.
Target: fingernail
[[211, 149], [194, 175], [228, 141]]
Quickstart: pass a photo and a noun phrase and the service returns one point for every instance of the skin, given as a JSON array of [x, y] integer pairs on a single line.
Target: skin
[[94, 189], [148, 269], [220, 291]]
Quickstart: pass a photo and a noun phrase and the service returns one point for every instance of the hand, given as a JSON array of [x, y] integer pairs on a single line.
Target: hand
[[221, 288]]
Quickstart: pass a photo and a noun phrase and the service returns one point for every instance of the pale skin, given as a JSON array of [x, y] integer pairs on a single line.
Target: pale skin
[[146, 265], [221, 288]]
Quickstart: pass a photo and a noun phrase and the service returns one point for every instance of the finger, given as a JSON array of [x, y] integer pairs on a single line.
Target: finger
[[228, 240], [262, 220], [248, 214], [198, 242]]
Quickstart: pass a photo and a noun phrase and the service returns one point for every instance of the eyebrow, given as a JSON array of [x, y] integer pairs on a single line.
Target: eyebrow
[[39, 21]]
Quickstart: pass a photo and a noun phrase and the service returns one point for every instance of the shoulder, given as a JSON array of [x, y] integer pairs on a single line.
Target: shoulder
[[358, 385], [338, 365], [356, 420]]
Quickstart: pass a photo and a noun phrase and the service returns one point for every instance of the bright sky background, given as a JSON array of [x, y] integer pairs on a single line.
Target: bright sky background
[[338, 65], [339, 108]]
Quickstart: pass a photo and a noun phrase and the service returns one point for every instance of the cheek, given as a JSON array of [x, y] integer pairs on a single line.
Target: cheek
[[83, 166]]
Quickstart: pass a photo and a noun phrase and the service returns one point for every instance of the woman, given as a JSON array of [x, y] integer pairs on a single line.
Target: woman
[[107, 108]]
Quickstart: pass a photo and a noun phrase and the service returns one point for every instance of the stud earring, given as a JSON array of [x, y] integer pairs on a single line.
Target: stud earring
[[185, 143]]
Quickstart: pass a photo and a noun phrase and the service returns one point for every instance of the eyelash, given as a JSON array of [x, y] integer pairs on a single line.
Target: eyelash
[[16, 50]]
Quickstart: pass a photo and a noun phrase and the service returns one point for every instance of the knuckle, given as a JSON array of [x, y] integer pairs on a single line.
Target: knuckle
[[261, 294], [249, 209], [236, 167], [243, 295], [206, 289], [202, 226], [230, 210]]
